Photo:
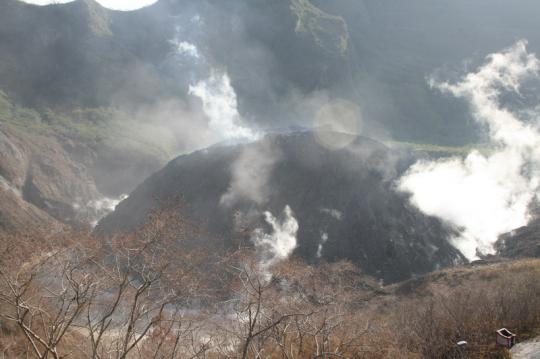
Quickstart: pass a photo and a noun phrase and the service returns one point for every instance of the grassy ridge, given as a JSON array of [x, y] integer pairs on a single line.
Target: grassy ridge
[[92, 127], [330, 32], [439, 150], [100, 126]]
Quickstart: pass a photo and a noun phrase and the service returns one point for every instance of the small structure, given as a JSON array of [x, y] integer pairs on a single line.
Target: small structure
[[506, 338]]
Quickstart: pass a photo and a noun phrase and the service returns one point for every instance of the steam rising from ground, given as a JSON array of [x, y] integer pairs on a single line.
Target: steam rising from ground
[[334, 119], [280, 243], [486, 195], [99, 208], [182, 124], [324, 239], [186, 48], [221, 106], [334, 213], [250, 175]]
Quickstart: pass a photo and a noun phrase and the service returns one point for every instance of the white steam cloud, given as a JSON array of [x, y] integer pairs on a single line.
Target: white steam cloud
[[250, 175], [324, 239], [221, 107], [485, 195], [280, 243], [97, 209], [186, 48], [332, 212]]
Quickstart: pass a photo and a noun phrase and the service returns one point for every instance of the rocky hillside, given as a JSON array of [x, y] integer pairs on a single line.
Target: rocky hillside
[[522, 242], [343, 200], [282, 56], [97, 100], [40, 181], [68, 57], [55, 165]]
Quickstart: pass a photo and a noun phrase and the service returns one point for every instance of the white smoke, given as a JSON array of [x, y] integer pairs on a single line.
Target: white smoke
[[324, 239], [280, 243], [485, 195], [221, 107], [186, 48], [97, 209], [332, 212], [250, 175]]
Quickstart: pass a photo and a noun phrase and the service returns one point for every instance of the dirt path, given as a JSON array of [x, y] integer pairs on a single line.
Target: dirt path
[[527, 350]]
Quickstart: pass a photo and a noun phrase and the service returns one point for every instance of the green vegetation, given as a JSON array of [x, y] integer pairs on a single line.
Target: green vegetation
[[329, 31], [99, 19], [439, 150], [92, 127], [86, 125]]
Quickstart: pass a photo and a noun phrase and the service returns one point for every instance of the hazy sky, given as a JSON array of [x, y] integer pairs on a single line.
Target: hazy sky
[[111, 4]]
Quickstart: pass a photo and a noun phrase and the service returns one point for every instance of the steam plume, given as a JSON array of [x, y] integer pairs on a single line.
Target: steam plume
[[250, 175], [324, 239], [186, 48], [99, 208], [221, 106], [485, 195], [280, 243], [334, 213]]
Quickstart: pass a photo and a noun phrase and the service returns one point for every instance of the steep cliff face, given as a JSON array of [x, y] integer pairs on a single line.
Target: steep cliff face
[[343, 200], [19, 216], [66, 164], [280, 56], [40, 181], [62, 55]]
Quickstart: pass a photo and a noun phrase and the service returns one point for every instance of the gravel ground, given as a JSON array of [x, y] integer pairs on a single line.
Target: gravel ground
[[527, 350]]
